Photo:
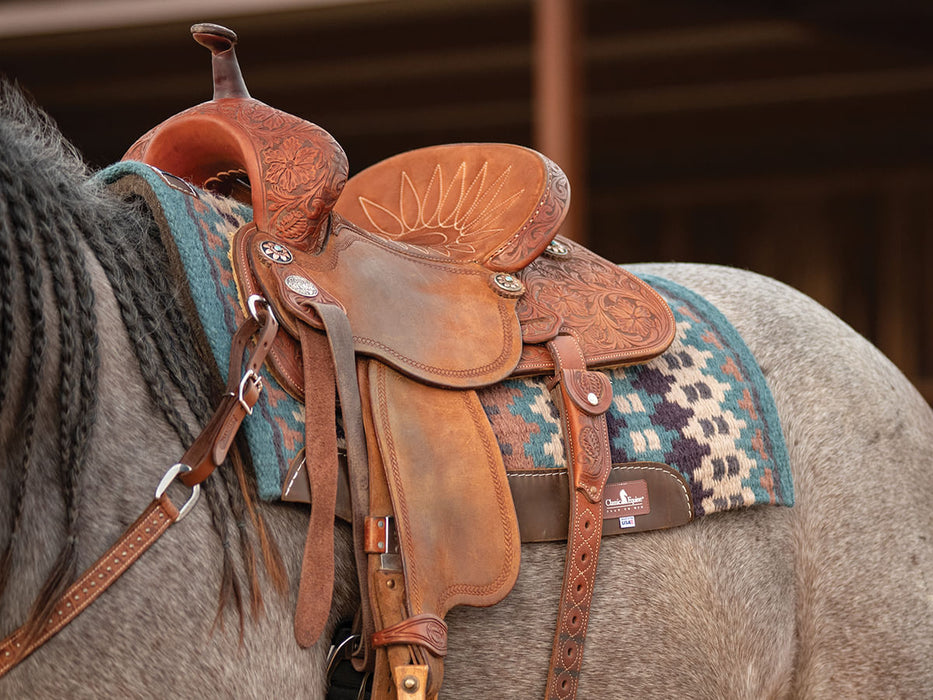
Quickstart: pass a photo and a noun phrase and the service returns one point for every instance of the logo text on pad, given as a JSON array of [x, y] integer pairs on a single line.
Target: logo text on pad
[[629, 498]]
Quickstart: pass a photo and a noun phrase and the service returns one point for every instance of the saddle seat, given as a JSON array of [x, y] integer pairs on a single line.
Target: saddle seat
[[423, 278]]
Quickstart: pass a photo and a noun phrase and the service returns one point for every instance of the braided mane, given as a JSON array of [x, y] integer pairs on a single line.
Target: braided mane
[[51, 208]]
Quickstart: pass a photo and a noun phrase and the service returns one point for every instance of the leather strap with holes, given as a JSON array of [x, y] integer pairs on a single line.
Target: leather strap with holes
[[137, 538], [583, 397], [210, 448]]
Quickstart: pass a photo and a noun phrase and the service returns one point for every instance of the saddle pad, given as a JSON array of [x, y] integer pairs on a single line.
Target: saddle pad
[[702, 407]]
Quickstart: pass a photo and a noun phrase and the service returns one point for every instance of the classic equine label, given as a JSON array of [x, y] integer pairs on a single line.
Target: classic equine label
[[629, 498]]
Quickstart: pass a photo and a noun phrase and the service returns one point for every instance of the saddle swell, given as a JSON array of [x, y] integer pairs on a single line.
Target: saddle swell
[[296, 169], [431, 274]]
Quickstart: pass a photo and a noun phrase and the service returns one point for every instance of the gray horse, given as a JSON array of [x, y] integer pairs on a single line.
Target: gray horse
[[100, 395]]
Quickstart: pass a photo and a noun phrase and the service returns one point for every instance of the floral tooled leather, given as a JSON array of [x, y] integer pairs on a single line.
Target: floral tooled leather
[[426, 630], [541, 227], [617, 318], [296, 169], [303, 170]]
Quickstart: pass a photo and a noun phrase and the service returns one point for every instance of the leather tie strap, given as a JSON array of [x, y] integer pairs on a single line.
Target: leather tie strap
[[426, 630], [329, 362], [583, 397], [340, 338], [317, 565]]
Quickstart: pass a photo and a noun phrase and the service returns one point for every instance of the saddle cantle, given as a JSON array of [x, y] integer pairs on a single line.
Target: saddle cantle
[[402, 290]]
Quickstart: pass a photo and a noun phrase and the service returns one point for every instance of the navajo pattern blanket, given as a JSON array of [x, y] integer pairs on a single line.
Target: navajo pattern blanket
[[703, 407]]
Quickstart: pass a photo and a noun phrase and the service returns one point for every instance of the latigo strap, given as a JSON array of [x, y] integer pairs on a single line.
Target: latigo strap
[[328, 363]]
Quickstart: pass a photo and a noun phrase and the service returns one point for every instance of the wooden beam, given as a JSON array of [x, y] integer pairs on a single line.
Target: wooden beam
[[31, 17], [733, 37], [558, 100], [897, 329], [757, 92]]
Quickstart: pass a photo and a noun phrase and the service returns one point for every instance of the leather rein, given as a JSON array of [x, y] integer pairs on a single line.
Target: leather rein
[[206, 453]]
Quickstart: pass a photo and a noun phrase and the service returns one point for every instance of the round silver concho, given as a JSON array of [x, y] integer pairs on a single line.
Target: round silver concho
[[508, 283], [301, 285], [276, 252]]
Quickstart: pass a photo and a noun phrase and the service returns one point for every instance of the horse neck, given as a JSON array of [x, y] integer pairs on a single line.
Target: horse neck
[[130, 447], [63, 248], [128, 444]]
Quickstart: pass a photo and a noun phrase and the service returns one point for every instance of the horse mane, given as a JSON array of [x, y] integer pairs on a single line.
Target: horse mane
[[50, 207]]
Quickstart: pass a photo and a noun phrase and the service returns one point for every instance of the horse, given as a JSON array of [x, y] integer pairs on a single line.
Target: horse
[[102, 391]]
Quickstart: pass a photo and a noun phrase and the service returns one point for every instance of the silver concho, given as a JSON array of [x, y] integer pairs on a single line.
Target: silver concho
[[508, 283], [276, 252], [557, 249], [301, 285]]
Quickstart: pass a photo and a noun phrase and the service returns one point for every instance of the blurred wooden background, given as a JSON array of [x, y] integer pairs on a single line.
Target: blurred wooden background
[[791, 138]]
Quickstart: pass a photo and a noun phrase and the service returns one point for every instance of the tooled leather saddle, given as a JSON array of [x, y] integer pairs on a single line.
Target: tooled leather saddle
[[401, 292]]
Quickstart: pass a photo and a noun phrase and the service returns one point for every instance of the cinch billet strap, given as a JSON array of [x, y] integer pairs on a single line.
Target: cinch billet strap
[[583, 397]]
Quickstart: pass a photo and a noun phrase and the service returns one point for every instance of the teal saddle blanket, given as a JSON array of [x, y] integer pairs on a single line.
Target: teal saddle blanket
[[702, 407]]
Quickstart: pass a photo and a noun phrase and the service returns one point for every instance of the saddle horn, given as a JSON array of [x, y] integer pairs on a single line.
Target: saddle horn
[[228, 79]]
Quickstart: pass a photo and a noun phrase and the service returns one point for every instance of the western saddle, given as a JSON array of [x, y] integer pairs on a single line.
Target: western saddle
[[401, 291]]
